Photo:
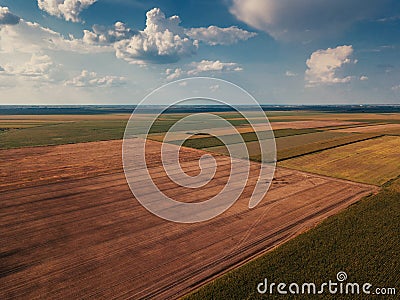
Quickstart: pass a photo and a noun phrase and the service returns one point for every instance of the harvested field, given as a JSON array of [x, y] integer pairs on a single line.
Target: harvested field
[[386, 128], [363, 240], [244, 129], [70, 227], [352, 117], [310, 124], [296, 145], [374, 161]]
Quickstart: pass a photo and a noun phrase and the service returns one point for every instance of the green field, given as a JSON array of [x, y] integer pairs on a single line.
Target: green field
[[361, 241], [62, 133]]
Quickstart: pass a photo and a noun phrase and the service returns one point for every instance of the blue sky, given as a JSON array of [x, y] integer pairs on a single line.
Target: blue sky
[[281, 51]]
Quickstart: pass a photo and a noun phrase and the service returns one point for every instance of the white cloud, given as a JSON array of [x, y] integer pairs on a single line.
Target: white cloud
[[323, 65], [290, 74], [208, 65], [162, 41], [363, 78], [214, 88], [39, 67], [214, 35], [203, 66], [67, 9], [173, 74], [28, 37], [91, 79], [7, 18], [294, 19], [396, 88], [104, 36]]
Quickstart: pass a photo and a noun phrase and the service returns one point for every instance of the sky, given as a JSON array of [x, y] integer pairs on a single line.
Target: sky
[[67, 52]]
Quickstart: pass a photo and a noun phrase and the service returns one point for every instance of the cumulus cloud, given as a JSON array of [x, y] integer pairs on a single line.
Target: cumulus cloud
[[39, 67], [7, 18], [214, 35], [323, 65], [92, 79], [162, 41], [67, 9], [203, 66], [104, 36], [288, 19], [28, 37], [290, 74], [396, 88], [214, 88], [208, 65], [173, 74]]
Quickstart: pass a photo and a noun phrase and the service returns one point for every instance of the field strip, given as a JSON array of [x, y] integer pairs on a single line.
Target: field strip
[[372, 128], [373, 161], [338, 144], [86, 236]]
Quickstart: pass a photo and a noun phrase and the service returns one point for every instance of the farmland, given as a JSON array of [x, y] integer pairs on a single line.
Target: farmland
[[61, 230], [29, 131], [298, 145], [393, 129], [375, 161], [361, 241], [71, 228]]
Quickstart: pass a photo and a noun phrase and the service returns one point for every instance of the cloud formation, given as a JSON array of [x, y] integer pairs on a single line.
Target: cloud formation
[[288, 19], [105, 36], [7, 18], [39, 67], [28, 37], [91, 79], [67, 9], [290, 74], [203, 66], [214, 35], [396, 88], [212, 66], [323, 65], [173, 74], [163, 40]]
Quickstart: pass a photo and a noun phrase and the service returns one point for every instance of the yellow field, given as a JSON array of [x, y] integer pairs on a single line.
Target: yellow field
[[395, 185], [385, 129], [374, 161]]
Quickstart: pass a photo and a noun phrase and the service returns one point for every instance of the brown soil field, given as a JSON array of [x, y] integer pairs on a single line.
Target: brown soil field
[[71, 228]]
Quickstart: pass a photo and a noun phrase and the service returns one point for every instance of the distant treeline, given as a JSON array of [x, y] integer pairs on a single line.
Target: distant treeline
[[123, 109]]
